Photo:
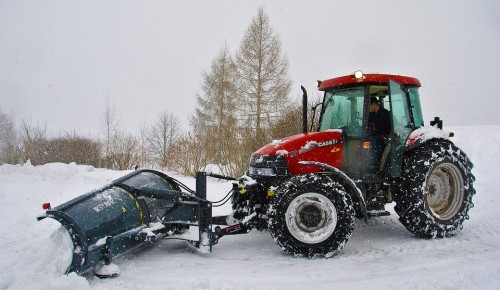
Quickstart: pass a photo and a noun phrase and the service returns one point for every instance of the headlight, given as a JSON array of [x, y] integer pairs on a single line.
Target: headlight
[[262, 171], [268, 165]]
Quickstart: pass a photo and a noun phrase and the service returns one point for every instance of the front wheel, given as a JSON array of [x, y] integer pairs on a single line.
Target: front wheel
[[311, 215], [436, 191]]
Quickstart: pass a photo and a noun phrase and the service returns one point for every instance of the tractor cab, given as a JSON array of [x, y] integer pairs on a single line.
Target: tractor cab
[[346, 106]]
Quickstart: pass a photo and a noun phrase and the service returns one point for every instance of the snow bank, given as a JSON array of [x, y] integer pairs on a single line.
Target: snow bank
[[38, 259], [38, 253]]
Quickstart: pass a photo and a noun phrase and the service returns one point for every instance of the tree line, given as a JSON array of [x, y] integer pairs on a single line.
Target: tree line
[[243, 104]]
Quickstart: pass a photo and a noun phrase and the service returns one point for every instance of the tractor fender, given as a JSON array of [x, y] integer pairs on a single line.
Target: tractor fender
[[347, 182], [423, 135]]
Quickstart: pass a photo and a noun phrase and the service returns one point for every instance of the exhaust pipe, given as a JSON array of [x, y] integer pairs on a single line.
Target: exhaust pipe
[[304, 109]]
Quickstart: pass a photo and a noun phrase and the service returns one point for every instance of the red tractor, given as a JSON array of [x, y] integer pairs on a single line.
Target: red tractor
[[308, 189], [370, 148]]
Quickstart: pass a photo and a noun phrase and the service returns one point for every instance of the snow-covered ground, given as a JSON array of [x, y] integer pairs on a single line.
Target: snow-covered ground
[[381, 254]]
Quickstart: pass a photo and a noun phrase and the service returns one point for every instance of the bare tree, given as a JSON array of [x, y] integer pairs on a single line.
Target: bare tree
[[73, 148], [187, 156], [290, 121], [39, 149], [162, 136], [125, 151], [9, 152], [143, 146], [264, 83], [109, 128], [34, 143]]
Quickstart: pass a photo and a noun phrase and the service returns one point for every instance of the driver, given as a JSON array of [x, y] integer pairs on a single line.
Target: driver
[[379, 119], [379, 122]]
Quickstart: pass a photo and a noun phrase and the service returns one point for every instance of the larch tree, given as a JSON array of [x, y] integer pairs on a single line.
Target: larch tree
[[263, 80], [214, 121]]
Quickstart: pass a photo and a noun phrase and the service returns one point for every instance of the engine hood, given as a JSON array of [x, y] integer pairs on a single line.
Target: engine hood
[[324, 147]]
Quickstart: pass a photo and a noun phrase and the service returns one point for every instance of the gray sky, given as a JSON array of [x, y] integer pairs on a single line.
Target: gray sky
[[61, 60]]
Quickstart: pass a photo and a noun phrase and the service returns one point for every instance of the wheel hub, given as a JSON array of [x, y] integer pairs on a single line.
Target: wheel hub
[[445, 191], [311, 218]]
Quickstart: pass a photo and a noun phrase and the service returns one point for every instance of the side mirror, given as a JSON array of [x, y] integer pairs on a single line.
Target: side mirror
[[437, 122]]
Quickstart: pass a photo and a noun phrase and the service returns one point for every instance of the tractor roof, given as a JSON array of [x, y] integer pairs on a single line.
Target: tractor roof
[[367, 78]]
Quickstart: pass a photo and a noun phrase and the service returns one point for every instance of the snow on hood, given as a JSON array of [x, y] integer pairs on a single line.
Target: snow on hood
[[300, 142]]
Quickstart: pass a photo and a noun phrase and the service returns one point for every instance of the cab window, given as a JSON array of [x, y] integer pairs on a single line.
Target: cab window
[[415, 107], [343, 110]]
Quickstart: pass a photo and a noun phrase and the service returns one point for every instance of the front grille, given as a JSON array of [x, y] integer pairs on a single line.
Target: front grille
[[277, 162]]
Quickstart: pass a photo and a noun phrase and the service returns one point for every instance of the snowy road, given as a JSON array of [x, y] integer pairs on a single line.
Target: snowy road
[[381, 254]]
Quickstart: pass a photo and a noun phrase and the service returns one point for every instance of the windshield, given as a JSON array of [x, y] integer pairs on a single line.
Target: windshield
[[343, 110]]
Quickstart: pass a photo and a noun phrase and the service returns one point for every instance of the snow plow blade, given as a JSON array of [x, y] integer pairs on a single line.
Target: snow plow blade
[[131, 210]]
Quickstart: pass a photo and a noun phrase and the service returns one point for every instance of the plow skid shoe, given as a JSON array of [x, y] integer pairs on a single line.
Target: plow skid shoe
[[130, 211]]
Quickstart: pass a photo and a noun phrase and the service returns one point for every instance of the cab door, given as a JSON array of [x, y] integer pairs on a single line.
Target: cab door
[[401, 124]]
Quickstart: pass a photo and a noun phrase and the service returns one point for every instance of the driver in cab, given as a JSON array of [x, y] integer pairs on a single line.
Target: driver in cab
[[379, 123]]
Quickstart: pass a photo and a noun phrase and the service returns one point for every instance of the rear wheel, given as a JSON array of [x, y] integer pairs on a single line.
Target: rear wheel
[[435, 193], [311, 215]]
